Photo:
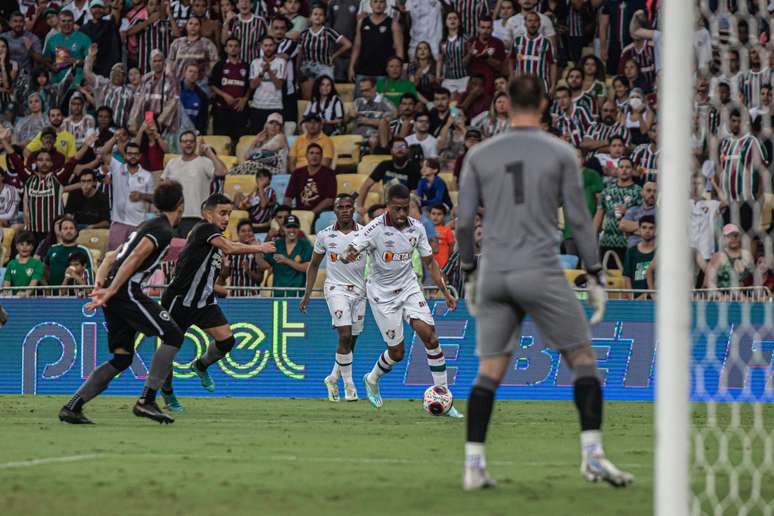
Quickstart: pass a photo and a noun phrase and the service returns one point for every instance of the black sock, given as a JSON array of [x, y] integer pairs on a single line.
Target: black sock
[[76, 403], [97, 382], [167, 387], [480, 405], [148, 395], [588, 399]]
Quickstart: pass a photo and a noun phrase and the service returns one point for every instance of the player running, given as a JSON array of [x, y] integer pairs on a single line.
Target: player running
[[190, 298], [394, 292], [522, 177], [128, 310], [344, 291]]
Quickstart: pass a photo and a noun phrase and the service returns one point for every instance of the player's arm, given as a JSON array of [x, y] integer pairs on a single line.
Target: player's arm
[[104, 268], [437, 276], [466, 214], [143, 250], [311, 277], [359, 244], [230, 247]]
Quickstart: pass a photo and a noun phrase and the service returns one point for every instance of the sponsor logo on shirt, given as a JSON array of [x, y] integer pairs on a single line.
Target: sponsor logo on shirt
[[389, 257]]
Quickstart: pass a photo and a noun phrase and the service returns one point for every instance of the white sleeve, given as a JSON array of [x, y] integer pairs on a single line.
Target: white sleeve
[[547, 27], [423, 245], [364, 241], [255, 68], [319, 244]]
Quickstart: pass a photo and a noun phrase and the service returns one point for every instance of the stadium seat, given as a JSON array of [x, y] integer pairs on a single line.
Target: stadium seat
[[220, 144], [305, 218], [94, 238], [369, 161], [568, 261], [346, 149], [3, 162], [448, 178], [346, 91], [349, 183], [268, 281], [242, 184], [615, 282], [301, 108], [233, 220], [319, 283], [229, 161], [242, 145], [373, 198], [280, 183], [325, 219], [8, 235], [768, 206], [96, 257], [170, 157], [572, 275]]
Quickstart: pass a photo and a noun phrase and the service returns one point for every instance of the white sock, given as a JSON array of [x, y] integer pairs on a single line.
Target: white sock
[[591, 441], [344, 365], [335, 371], [474, 455], [437, 363], [381, 367]]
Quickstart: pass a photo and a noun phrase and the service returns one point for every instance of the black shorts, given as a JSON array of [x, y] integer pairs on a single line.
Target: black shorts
[[208, 316], [130, 311]]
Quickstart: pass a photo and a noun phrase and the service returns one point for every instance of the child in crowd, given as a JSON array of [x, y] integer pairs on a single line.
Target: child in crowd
[[260, 203], [24, 270], [432, 189], [445, 234], [77, 273]]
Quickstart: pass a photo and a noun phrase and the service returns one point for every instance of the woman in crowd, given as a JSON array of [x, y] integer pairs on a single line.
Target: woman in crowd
[[268, 151], [421, 71], [497, 120], [326, 103]]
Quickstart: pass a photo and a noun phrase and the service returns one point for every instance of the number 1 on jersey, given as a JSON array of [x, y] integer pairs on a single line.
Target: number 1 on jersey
[[516, 171]]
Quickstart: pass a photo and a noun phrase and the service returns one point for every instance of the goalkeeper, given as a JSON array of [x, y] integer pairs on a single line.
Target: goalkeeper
[[522, 178]]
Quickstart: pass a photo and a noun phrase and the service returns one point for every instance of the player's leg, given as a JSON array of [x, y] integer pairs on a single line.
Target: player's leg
[[390, 322], [358, 306], [121, 344], [212, 320], [341, 319], [561, 320], [181, 318]]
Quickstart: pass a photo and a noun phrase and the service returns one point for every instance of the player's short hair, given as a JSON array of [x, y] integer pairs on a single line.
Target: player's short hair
[[79, 257], [439, 206], [244, 222], [168, 196], [343, 196], [647, 219], [398, 191], [526, 92], [212, 202], [25, 237]]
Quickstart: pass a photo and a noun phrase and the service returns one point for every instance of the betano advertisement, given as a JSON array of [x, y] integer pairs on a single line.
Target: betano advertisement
[[50, 345]]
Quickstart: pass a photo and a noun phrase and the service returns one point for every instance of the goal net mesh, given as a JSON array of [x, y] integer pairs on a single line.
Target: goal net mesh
[[732, 378]]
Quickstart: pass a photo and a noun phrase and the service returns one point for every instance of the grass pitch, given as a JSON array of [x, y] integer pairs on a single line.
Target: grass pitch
[[310, 457]]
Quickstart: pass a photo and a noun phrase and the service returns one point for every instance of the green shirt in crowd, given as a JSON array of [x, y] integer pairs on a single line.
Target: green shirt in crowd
[[592, 185], [285, 275], [393, 90], [636, 265], [20, 274], [612, 195], [60, 47], [58, 258]]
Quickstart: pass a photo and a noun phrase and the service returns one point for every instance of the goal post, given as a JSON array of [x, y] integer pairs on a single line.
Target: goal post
[[672, 471]]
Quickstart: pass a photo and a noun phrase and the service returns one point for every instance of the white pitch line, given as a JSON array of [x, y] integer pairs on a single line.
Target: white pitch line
[[50, 460]]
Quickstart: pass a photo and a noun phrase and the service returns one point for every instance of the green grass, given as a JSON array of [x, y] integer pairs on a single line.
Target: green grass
[[311, 457]]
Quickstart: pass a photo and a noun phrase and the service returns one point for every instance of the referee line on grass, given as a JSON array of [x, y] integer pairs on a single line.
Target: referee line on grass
[[49, 460]]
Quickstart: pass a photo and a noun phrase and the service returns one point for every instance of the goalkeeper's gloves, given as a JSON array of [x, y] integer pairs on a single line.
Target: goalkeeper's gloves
[[470, 286], [597, 294], [3, 316]]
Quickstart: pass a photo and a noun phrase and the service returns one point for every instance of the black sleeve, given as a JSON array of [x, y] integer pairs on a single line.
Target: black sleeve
[[216, 74], [414, 176], [160, 235], [70, 206], [205, 232], [379, 172], [104, 207]]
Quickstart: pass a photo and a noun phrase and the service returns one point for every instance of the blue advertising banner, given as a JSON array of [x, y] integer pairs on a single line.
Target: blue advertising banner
[[49, 346]]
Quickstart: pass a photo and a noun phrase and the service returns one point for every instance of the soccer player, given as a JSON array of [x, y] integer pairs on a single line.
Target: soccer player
[[523, 177], [344, 291], [128, 310], [394, 292], [190, 298]]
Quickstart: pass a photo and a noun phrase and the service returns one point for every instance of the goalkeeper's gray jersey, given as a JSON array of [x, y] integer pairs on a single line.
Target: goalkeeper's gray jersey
[[522, 178]]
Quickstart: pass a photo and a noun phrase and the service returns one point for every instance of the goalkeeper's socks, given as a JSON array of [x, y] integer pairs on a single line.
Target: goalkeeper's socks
[[474, 454], [381, 368], [480, 404], [437, 363], [588, 400], [344, 366], [591, 442]]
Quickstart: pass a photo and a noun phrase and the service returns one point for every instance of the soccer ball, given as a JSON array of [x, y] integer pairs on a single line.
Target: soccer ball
[[438, 400]]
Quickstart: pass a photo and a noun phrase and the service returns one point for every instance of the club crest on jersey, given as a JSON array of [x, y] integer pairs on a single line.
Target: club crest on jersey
[[390, 334], [164, 315], [338, 314], [334, 257], [421, 304], [413, 241], [389, 256]]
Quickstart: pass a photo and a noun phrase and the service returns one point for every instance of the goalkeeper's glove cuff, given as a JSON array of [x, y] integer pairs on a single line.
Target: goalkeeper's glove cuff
[[598, 274], [468, 268]]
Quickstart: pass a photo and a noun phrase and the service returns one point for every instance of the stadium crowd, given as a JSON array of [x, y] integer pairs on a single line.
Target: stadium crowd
[[283, 104]]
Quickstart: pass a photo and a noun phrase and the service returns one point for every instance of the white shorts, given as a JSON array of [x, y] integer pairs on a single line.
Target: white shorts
[[456, 85], [403, 306], [347, 311]]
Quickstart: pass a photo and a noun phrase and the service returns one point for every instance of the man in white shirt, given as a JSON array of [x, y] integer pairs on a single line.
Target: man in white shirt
[[394, 292], [9, 203], [344, 291], [517, 27], [422, 136], [426, 24], [195, 173], [132, 189], [704, 213], [267, 78]]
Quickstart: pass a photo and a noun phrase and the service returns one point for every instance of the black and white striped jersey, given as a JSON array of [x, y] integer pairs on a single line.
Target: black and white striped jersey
[[158, 231], [198, 267]]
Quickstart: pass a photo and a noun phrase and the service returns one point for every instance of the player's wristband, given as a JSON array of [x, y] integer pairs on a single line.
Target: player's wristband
[[468, 268], [598, 273]]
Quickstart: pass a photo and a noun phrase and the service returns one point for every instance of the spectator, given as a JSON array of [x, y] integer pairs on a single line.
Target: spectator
[[66, 50], [25, 270], [638, 117], [497, 120], [643, 53], [485, 55], [313, 187], [472, 137], [403, 125], [616, 198], [422, 137], [377, 37], [375, 210], [65, 141], [533, 54], [640, 255], [451, 141], [194, 99], [426, 22], [268, 150], [260, 203], [58, 256], [28, 127], [592, 184], [153, 34], [474, 100], [440, 113], [608, 161], [195, 173], [152, 145], [733, 265], [77, 274], [645, 157], [132, 189], [432, 190], [277, 225], [614, 13], [267, 79], [78, 123], [372, 114], [394, 86], [247, 28], [111, 93], [704, 214], [342, 17], [158, 89], [9, 201], [313, 134], [571, 121], [211, 29], [400, 169], [750, 81], [517, 24], [579, 97], [23, 46], [620, 92], [445, 234], [88, 206], [421, 71], [290, 262], [599, 134], [229, 83], [103, 31], [326, 102], [631, 72], [242, 269], [504, 10], [192, 49], [298, 23], [630, 224], [593, 85], [318, 50], [451, 68], [470, 12], [288, 50]]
